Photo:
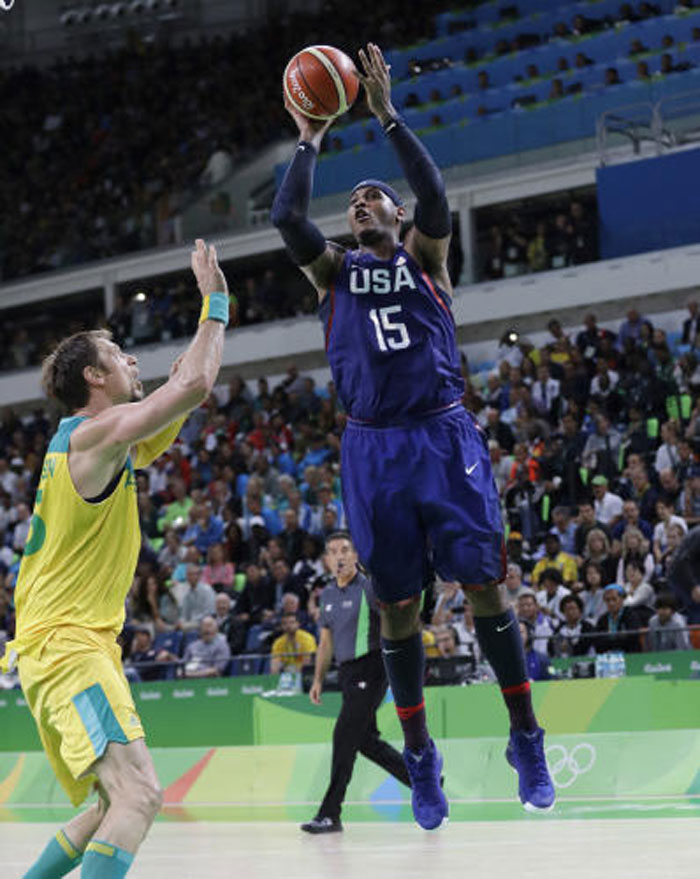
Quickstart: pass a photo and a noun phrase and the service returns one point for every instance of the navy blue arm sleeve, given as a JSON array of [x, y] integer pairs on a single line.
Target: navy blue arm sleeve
[[432, 215], [304, 241]]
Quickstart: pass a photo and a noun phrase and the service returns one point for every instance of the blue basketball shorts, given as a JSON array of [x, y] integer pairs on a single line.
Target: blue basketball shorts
[[419, 495]]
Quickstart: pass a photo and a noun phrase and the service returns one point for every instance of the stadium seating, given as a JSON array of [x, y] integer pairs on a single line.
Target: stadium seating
[[462, 103], [245, 665], [170, 641]]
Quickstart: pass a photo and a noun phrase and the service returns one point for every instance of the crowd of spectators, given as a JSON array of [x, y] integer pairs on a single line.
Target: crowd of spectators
[[160, 310], [164, 308], [595, 444], [99, 150], [567, 71], [572, 29], [540, 236]]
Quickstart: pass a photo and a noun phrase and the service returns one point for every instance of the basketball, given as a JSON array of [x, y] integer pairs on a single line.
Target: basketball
[[320, 82]]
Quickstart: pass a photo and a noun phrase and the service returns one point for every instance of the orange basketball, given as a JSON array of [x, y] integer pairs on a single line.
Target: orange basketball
[[320, 82]]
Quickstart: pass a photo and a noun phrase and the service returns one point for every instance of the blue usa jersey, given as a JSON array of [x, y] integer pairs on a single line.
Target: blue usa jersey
[[390, 339]]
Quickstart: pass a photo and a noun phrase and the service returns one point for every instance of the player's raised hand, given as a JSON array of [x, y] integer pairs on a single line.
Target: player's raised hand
[[377, 82], [310, 130], [205, 265]]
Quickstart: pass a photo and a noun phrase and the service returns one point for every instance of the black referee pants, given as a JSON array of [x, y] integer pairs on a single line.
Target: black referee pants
[[363, 683]]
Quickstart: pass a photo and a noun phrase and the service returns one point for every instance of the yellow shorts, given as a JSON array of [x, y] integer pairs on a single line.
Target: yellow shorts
[[81, 701]]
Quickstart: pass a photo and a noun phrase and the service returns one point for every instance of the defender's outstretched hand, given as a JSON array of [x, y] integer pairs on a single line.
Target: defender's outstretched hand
[[377, 82], [205, 265]]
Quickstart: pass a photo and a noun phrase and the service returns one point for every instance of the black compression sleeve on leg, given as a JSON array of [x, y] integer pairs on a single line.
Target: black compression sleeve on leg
[[304, 241], [432, 211]]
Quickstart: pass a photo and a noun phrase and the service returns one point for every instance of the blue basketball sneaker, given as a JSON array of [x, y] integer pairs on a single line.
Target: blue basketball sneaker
[[429, 803], [525, 753]]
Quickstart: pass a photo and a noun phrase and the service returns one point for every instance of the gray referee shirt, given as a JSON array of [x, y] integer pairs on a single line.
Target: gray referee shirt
[[352, 615]]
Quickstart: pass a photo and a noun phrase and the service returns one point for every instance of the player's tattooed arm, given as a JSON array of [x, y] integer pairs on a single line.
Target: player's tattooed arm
[[323, 271]]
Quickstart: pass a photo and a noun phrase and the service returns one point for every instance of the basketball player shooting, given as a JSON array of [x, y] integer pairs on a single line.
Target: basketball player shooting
[[416, 471], [77, 568]]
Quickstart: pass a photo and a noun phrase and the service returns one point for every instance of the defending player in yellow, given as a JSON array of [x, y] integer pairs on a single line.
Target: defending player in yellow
[[77, 568]]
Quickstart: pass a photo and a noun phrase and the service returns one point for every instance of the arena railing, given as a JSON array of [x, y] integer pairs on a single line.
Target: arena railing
[[175, 669]]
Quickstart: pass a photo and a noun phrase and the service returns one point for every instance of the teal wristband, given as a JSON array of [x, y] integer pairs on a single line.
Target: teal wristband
[[215, 307]]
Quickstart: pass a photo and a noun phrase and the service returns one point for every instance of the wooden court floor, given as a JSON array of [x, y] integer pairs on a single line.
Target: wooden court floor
[[644, 848]]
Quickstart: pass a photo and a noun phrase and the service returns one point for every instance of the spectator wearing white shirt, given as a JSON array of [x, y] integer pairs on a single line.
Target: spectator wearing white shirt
[[208, 656], [8, 478], [607, 506], [199, 601], [640, 594], [664, 511], [468, 643], [530, 612], [513, 584], [667, 456], [546, 394], [634, 546], [509, 349], [501, 465], [551, 593], [604, 381], [158, 476], [219, 166], [21, 532], [450, 597]]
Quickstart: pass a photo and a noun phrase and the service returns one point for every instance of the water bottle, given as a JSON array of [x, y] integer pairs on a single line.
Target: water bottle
[[608, 665], [619, 666], [602, 665]]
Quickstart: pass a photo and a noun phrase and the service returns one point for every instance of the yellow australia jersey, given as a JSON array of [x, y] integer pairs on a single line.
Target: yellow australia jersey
[[80, 555]]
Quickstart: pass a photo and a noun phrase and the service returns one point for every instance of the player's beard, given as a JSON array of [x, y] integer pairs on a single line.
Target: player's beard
[[137, 392]]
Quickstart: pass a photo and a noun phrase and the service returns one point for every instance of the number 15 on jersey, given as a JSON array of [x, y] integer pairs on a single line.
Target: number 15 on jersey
[[391, 335]]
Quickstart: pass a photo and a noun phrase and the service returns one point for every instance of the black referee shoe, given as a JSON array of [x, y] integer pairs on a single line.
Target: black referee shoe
[[323, 825]]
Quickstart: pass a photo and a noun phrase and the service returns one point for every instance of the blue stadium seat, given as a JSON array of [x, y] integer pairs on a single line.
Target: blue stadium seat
[[488, 14], [420, 117], [255, 640], [591, 77], [244, 665], [189, 638], [455, 110], [173, 643], [170, 641], [462, 136], [443, 47], [537, 90]]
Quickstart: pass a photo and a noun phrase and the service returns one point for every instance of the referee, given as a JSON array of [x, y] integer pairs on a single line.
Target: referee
[[350, 629]]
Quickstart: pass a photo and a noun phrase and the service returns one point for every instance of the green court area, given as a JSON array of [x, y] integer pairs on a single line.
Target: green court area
[[235, 750]]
